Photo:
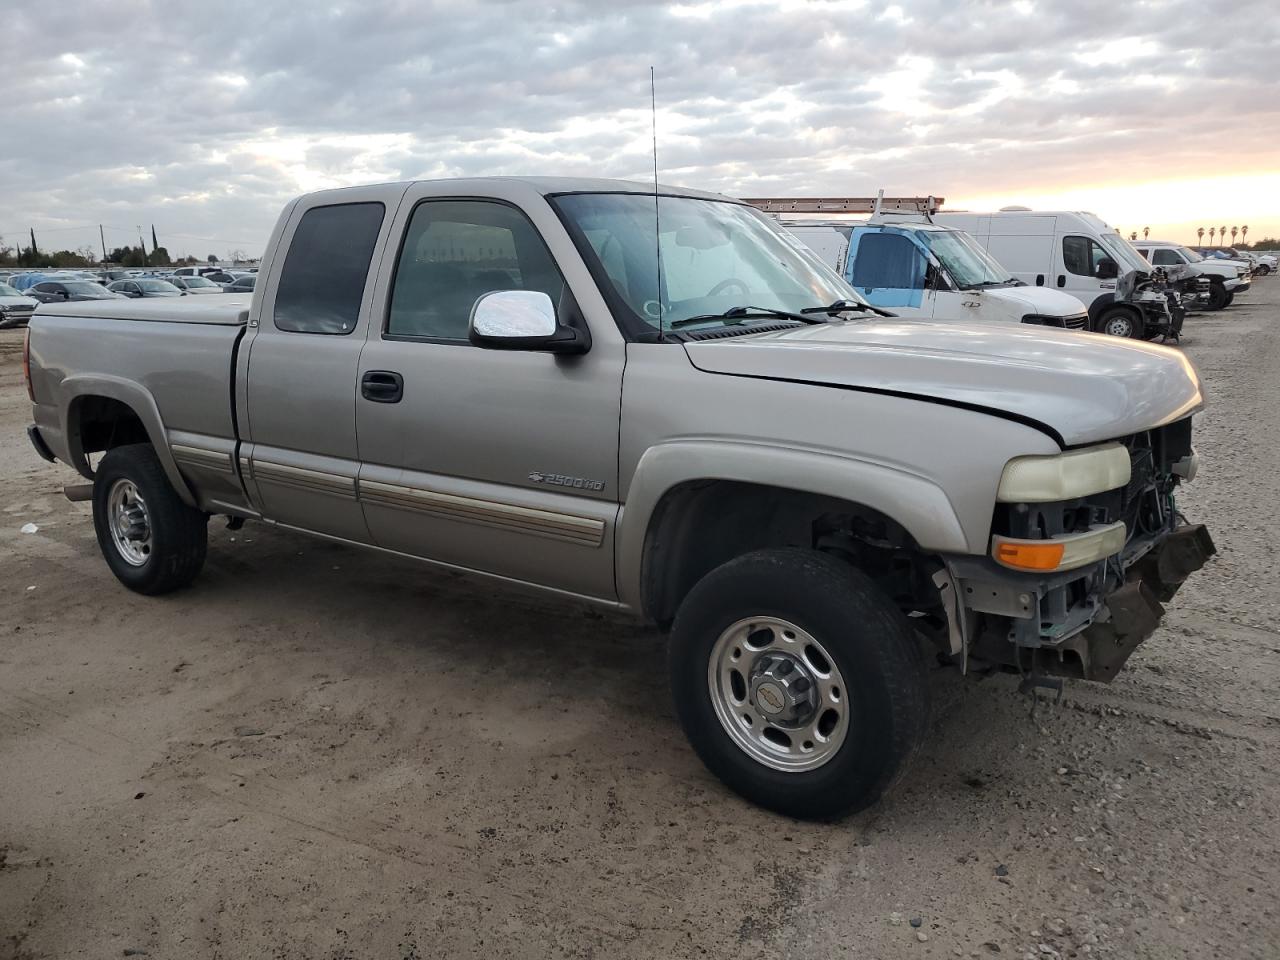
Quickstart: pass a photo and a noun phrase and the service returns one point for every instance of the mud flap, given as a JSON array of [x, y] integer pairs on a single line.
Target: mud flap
[[1181, 554]]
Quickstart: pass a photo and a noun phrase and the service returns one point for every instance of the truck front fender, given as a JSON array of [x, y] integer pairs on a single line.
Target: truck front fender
[[915, 502], [138, 399]]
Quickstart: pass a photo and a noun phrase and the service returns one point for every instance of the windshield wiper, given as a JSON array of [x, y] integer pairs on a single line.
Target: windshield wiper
[[740, 315], [840, 306]]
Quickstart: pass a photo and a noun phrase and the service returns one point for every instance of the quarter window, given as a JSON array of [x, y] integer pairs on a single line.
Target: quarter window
[[324, 273], [454, 252]]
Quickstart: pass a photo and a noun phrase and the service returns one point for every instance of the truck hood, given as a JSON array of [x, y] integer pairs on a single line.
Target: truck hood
[[1078, 387], [1039, 300]]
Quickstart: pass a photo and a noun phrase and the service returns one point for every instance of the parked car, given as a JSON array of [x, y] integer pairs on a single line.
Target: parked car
[[923, 269], [60, 291], [1261, 264], [1079, 254], [194, 285], [224, 277], [146, 287], [1226, 277], [243, 284], [15, 308], [107, 277], [719, 437]]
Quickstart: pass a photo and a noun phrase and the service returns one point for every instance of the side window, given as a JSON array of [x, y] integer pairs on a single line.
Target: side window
[[324, 273], [1080, 256], [887, 261], [1166, 258], [454, 252]]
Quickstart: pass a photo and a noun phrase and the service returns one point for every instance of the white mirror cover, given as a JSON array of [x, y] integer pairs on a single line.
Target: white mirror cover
[[514, 313]]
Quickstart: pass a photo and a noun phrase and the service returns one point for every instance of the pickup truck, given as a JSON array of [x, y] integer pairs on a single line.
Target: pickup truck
[[653, 400]]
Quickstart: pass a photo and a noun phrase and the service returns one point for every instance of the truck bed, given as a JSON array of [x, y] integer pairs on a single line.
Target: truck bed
[[228, 309]]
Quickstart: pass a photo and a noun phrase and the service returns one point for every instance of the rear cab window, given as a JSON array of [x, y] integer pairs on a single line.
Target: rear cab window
[[323, 279]]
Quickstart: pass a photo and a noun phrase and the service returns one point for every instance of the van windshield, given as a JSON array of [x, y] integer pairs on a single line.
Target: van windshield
[[969, 265], [1125, 256], [703, 257]]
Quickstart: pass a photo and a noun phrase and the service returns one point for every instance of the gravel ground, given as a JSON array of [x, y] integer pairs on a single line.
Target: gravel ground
[[321, 753]]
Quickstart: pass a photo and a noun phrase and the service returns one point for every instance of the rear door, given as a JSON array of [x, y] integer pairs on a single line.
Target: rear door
[[300, 458], [502, 461]]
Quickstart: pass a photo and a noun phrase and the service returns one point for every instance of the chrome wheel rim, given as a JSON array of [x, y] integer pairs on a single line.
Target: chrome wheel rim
[[1120, 327], [129, 522], [778, 694]]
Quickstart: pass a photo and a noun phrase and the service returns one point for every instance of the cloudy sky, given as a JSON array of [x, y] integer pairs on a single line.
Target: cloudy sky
[[204, 119]]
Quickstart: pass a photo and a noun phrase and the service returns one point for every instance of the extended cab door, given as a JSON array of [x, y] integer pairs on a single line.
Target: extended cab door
[[299, 457], [501, 461]]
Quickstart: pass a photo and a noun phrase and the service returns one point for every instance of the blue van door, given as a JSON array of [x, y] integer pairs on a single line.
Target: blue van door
[[887, 268]]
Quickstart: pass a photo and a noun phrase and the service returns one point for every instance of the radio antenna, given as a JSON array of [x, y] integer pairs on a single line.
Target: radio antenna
[[657, 235]]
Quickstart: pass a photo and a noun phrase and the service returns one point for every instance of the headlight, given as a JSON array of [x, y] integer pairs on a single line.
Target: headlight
[[1065, 476]]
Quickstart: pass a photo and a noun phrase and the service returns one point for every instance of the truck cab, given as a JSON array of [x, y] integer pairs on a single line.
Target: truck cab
[[1078, 253], [916, 268]]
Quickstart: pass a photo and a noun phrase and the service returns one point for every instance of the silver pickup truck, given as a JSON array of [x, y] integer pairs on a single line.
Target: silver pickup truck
[[664, 405]]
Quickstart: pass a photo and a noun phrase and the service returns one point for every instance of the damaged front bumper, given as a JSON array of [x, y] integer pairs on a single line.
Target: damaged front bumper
[[1083, 624]]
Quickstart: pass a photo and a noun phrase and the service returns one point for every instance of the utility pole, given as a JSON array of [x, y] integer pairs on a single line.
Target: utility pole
[[102, 237], [142, 245]]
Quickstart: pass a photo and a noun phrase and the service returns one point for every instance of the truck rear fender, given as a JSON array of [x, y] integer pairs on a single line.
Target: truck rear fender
[[138, 401], [759, 477]]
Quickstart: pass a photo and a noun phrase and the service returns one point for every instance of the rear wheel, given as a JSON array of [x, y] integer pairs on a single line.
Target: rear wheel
[[1218, 296], [1121, 322], [152, 541], [799, 684]]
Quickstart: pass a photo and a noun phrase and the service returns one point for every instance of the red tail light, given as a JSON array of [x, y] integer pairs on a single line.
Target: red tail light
[[26, 364]]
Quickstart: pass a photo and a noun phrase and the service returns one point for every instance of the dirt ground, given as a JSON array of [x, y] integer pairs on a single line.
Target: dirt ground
[[321, 753]]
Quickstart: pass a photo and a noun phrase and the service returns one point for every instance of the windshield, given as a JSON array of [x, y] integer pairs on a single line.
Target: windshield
[[1190, 254], [964, 258], [715, 255], [85, 286], [200, 282], [1123, 254], [8, 291]]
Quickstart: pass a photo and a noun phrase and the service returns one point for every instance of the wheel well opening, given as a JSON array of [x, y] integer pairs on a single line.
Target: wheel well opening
[[698, 526], [103, 423]]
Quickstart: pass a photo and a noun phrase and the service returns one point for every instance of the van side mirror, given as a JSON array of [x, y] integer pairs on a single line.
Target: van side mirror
[[522, 320], [1108, 269]]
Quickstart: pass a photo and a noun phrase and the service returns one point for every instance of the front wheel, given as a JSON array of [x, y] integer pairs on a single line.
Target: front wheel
[[152, 541], [1121, 322], [1218, 296], [799, 684]]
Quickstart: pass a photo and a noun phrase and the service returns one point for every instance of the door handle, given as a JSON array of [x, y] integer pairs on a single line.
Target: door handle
[[382, 386], [1062, 279]]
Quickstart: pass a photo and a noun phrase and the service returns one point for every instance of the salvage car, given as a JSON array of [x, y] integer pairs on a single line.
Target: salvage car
[[62, 291], [697, 423]]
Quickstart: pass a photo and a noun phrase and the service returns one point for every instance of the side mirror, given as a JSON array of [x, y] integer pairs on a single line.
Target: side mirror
[[522, 320], [1108, 269], [64, 295]]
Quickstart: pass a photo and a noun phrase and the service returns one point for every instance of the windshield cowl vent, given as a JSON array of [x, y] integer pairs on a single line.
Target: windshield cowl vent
[[721, 333]]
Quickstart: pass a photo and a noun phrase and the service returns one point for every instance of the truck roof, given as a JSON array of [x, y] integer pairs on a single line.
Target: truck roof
[[550, 186]]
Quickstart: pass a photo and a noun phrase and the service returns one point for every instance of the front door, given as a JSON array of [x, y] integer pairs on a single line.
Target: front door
[[889, 270], [501, 461], [1078, 268]]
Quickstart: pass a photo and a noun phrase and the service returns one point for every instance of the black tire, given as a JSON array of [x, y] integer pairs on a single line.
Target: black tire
[[1121, 322], [1218, 296], [179, 534], [1231, 298], [1263, 269], [872, 645]]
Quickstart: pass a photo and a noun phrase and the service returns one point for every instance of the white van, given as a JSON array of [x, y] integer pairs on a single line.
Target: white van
[[1077, 253], [920, 269]]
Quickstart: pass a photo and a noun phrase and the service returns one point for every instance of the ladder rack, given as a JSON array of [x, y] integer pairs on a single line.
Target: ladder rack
[[928, 205]]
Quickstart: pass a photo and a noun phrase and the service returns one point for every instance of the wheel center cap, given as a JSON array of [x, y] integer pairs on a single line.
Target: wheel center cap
[[770, 699]]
